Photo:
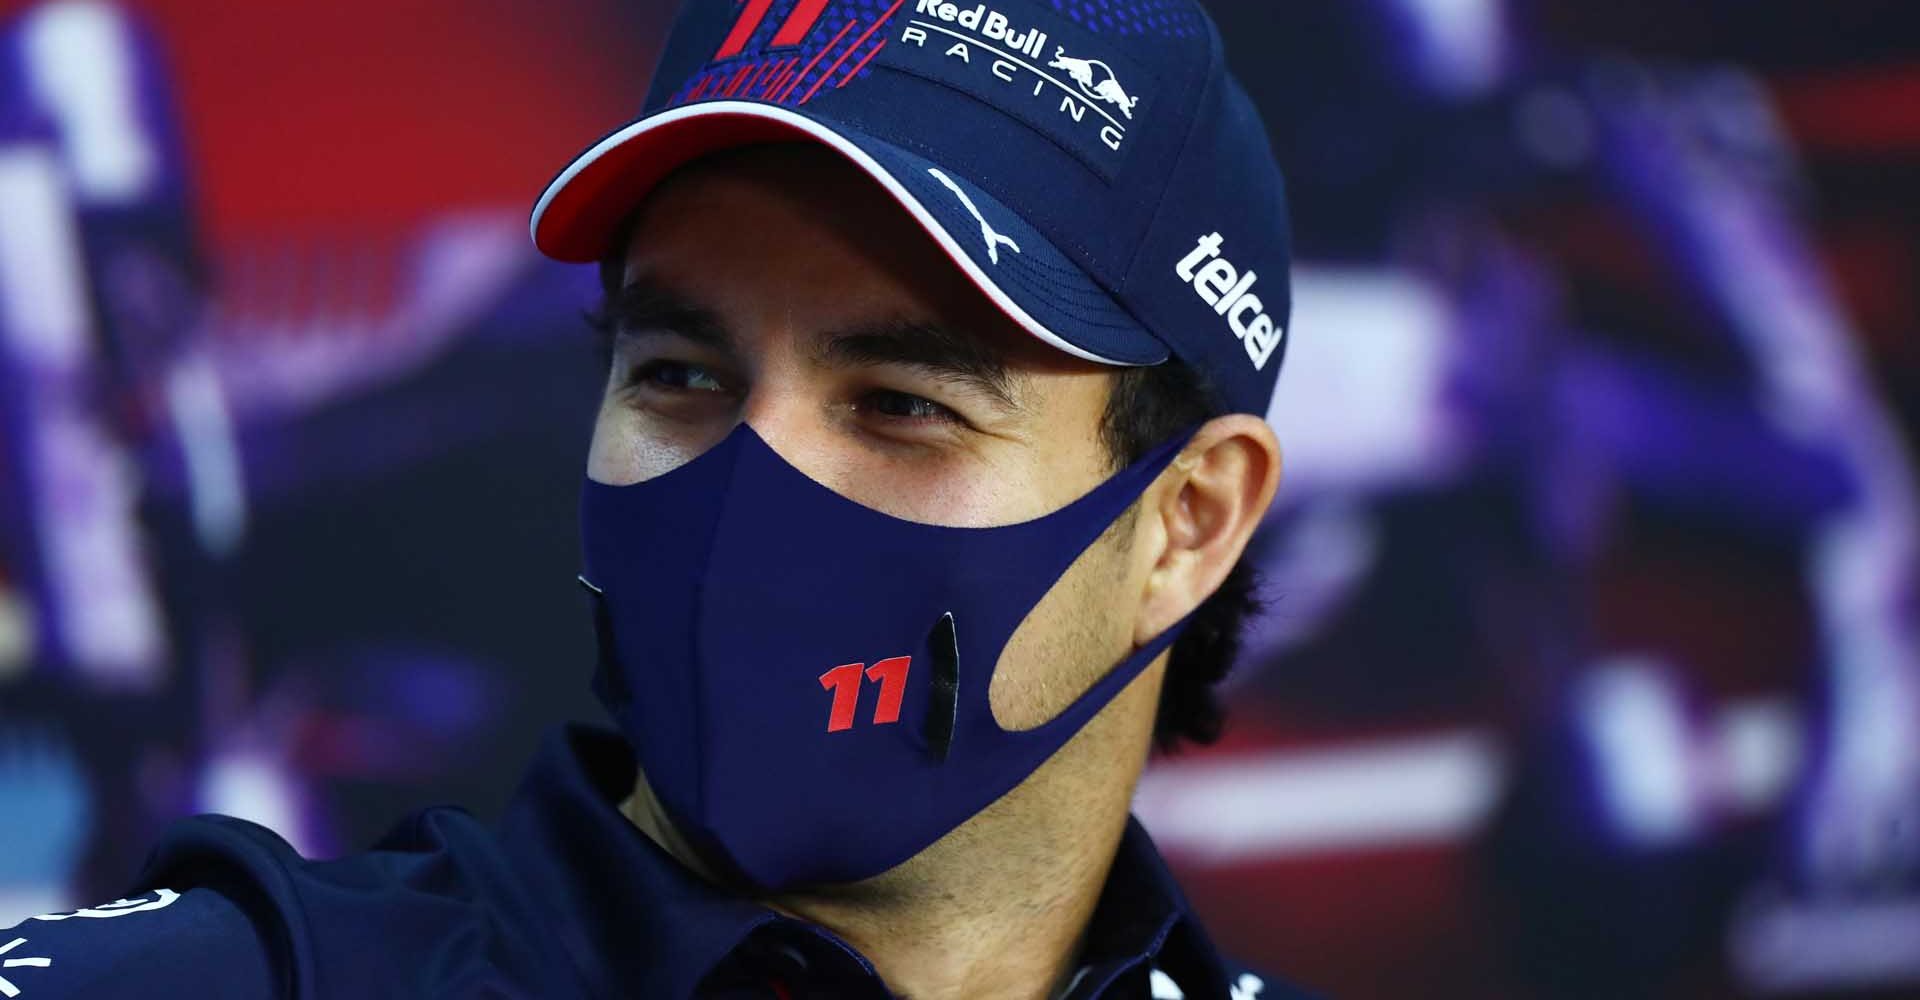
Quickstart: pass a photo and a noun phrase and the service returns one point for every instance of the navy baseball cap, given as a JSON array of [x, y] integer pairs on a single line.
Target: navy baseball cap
[[1090, 165]]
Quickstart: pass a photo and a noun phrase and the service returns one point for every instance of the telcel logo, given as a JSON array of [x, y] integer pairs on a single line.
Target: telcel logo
[[1230, 292]]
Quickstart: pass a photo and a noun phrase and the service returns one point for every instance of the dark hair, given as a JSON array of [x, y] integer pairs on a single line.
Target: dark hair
[[1145, 407]]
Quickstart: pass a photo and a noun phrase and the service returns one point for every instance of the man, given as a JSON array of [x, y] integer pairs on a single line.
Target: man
[[939, 344]]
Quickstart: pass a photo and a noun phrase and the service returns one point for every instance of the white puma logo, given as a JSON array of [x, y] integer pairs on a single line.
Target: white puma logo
[[986, 232]]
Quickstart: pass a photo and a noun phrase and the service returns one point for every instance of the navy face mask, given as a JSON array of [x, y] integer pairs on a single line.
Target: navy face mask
[[804, 679]]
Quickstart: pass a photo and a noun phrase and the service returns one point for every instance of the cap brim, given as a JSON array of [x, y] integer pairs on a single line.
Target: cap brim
[[1021, 272]]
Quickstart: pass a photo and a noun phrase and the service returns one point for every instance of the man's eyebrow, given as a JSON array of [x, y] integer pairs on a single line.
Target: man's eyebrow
[[645, 305], [944, 354]]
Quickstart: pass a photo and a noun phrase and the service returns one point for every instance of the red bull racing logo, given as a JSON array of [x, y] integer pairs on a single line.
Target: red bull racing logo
[[1096, 80], [1023, 66]]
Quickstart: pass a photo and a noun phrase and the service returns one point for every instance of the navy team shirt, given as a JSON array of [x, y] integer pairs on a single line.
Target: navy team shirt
[[562, 898]]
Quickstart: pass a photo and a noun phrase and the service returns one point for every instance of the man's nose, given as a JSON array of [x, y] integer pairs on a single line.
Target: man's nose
[[801, 426]]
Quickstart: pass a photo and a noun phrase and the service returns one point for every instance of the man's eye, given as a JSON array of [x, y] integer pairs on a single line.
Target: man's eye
[[905, 406], [678, 376]]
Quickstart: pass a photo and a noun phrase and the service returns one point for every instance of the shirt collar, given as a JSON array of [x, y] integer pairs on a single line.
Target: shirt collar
[[1143, 919], [636, 922]]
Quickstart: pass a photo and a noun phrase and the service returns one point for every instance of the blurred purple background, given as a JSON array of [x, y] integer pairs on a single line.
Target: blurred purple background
[[1590, 666]]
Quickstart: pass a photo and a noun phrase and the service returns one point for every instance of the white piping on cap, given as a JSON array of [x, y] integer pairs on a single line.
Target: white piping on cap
[[840, 144]]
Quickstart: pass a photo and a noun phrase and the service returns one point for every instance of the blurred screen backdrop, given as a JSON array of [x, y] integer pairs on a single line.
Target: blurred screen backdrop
[[1590, 663]]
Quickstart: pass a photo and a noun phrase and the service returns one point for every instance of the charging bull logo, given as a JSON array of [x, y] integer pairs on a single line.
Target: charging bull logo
[[1096, 80]]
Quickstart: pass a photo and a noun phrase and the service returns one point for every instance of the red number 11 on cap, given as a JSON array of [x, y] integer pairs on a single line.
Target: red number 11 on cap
[[792, 31]]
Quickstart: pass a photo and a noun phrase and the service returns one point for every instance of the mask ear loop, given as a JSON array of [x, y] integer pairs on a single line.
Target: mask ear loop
[[1141, 474]]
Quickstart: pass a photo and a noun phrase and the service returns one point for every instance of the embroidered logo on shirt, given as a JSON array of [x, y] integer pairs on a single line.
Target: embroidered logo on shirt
[[6, 987], [162, 898]]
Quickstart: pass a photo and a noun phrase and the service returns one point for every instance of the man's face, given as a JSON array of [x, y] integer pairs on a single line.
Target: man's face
[[778, 286]]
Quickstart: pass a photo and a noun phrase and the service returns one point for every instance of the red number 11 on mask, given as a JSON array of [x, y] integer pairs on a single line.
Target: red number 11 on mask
[[845, 680]]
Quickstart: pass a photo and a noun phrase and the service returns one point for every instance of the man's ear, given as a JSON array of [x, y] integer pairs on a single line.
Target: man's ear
[[1206, 504]]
